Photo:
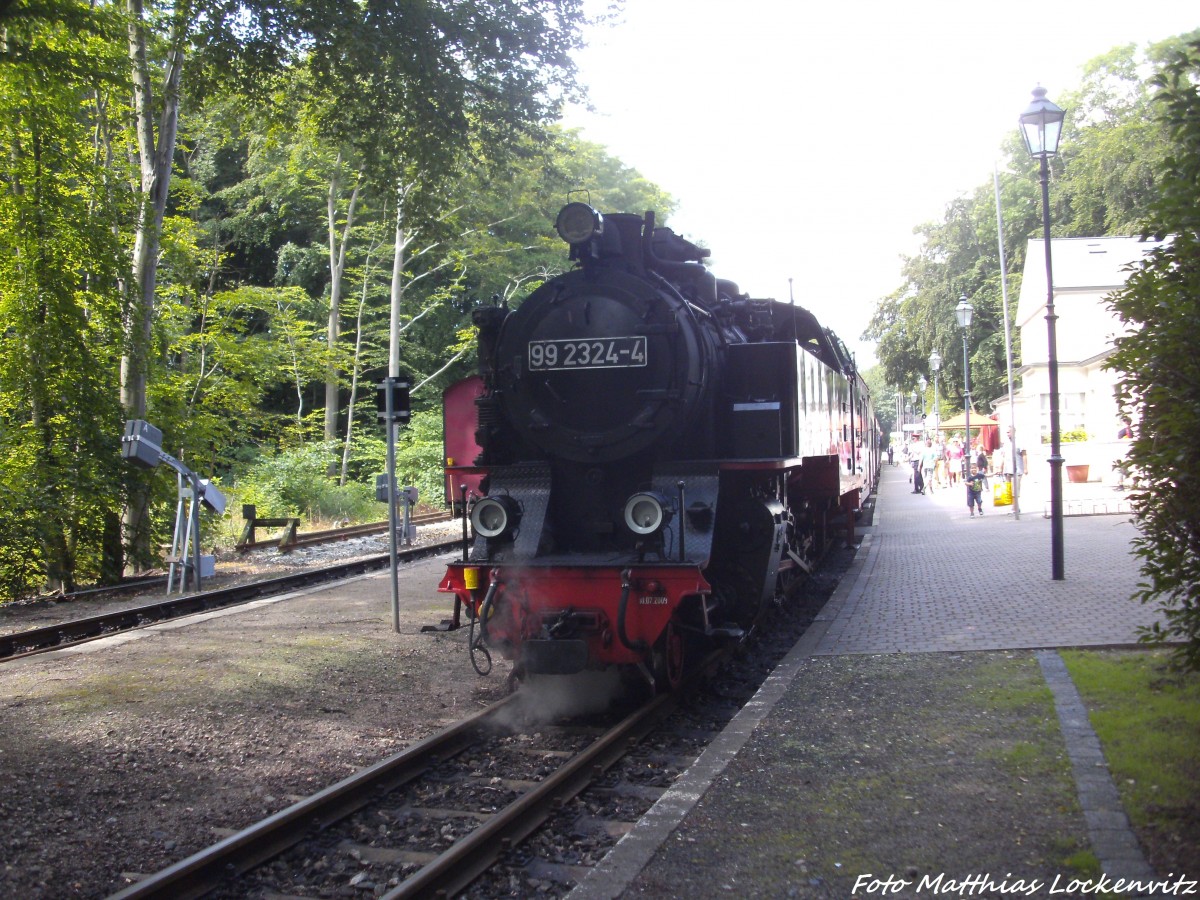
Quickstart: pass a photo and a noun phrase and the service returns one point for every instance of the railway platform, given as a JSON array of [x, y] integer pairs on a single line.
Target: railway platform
[[904, 747]]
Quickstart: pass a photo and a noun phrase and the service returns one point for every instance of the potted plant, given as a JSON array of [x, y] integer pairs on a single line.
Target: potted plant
[[1079, 472]]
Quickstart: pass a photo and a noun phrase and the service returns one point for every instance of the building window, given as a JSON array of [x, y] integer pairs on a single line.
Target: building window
[[1072, 413]]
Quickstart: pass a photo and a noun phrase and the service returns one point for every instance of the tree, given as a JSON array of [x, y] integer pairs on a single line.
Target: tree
[[60, 272], [1160, 370], [243, 43], [405, 84], [432, 83], [959, 256], [1114, 147]]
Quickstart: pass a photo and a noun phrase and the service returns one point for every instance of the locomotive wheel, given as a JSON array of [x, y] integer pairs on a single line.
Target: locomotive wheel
[[670, 658]]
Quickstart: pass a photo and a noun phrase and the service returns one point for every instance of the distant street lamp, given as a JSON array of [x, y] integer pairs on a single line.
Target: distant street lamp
[[924, 385], [1041, 126], [962, 312], [935, 365]]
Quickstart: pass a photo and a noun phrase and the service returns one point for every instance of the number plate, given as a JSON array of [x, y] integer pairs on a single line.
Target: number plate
[[600, 353]]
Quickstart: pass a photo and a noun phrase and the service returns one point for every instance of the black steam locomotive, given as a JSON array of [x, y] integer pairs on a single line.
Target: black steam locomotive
[[657, 455]]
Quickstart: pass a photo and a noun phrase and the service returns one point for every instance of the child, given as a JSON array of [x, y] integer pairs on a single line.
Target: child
[[975, 490]]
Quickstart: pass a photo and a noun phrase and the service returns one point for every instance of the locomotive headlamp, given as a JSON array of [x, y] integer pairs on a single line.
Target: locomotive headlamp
[[647, 512], [495, 517], [578, 222]]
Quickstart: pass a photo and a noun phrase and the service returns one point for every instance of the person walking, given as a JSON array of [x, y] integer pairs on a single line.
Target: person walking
[[975, 490], [929, 463], [954, 461]]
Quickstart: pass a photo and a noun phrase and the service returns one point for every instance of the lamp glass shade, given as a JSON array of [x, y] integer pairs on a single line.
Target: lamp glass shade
[[1041, 125], [962, 312], [935, 361]]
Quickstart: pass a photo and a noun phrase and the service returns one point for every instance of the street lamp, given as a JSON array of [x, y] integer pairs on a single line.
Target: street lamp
[[923, 385], [1041, 126], [935, 366], [962, 312]]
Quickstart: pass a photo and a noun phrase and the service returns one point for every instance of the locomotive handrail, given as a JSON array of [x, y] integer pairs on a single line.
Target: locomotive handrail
[[638, 646]]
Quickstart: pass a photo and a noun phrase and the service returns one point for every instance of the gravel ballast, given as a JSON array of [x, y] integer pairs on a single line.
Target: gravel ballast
[[129, 753]]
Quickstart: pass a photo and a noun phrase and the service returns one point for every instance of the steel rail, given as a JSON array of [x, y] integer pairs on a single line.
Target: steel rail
[[470, 857], [65, 634], [328, 536], [206, 870], [459, 865]]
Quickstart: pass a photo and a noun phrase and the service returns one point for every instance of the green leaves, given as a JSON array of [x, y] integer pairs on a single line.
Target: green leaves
[[61, 265], [1160, 370]]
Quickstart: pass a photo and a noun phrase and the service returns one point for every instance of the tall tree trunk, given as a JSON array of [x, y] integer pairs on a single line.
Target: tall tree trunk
[[337, 271], [399, 262], [155, 158], [356, 365]]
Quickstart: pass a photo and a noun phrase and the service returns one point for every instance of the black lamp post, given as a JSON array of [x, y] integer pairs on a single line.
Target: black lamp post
[[935, 366], [962, 312], [1041, 126]]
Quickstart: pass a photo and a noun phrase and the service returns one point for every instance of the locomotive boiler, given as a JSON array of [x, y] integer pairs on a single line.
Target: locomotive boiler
[[649, 456]]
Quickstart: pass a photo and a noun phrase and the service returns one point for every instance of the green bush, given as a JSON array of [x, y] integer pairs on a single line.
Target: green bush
[[419, 457], [1160, 374], [21, 567], [1069, 436], [295, 483]]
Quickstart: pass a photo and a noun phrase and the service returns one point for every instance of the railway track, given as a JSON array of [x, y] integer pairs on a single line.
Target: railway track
[[66, 634], [453, 779], [494, 805], [302, 539], [313, 538]]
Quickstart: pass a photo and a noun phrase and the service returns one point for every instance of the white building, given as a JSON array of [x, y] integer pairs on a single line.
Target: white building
[[1086, 271]]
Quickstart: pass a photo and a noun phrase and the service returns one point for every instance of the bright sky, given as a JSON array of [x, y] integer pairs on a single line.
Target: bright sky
[[806, 140]]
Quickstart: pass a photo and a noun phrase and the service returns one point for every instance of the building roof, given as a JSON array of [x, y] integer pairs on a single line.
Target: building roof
[[1094, 265]]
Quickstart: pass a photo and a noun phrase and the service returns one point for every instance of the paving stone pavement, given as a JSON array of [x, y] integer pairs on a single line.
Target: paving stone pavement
[[929, 578], [935, 578]]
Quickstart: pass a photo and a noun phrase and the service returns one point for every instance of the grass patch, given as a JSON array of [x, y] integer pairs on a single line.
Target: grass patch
[[1147, 716]]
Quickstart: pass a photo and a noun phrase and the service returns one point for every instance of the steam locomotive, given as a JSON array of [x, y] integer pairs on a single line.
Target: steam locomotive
[[648, 456]]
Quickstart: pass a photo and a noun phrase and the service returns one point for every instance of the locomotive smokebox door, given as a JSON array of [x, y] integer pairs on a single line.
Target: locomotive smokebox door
[[597, 367]]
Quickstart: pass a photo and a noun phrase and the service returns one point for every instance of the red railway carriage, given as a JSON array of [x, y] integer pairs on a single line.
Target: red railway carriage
[[654, 455]]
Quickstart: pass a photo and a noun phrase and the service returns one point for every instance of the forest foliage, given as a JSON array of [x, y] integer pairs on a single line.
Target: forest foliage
[[225, 218]]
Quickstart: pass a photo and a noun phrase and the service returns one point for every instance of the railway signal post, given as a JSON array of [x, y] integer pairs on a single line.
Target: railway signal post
[[394, 409]]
